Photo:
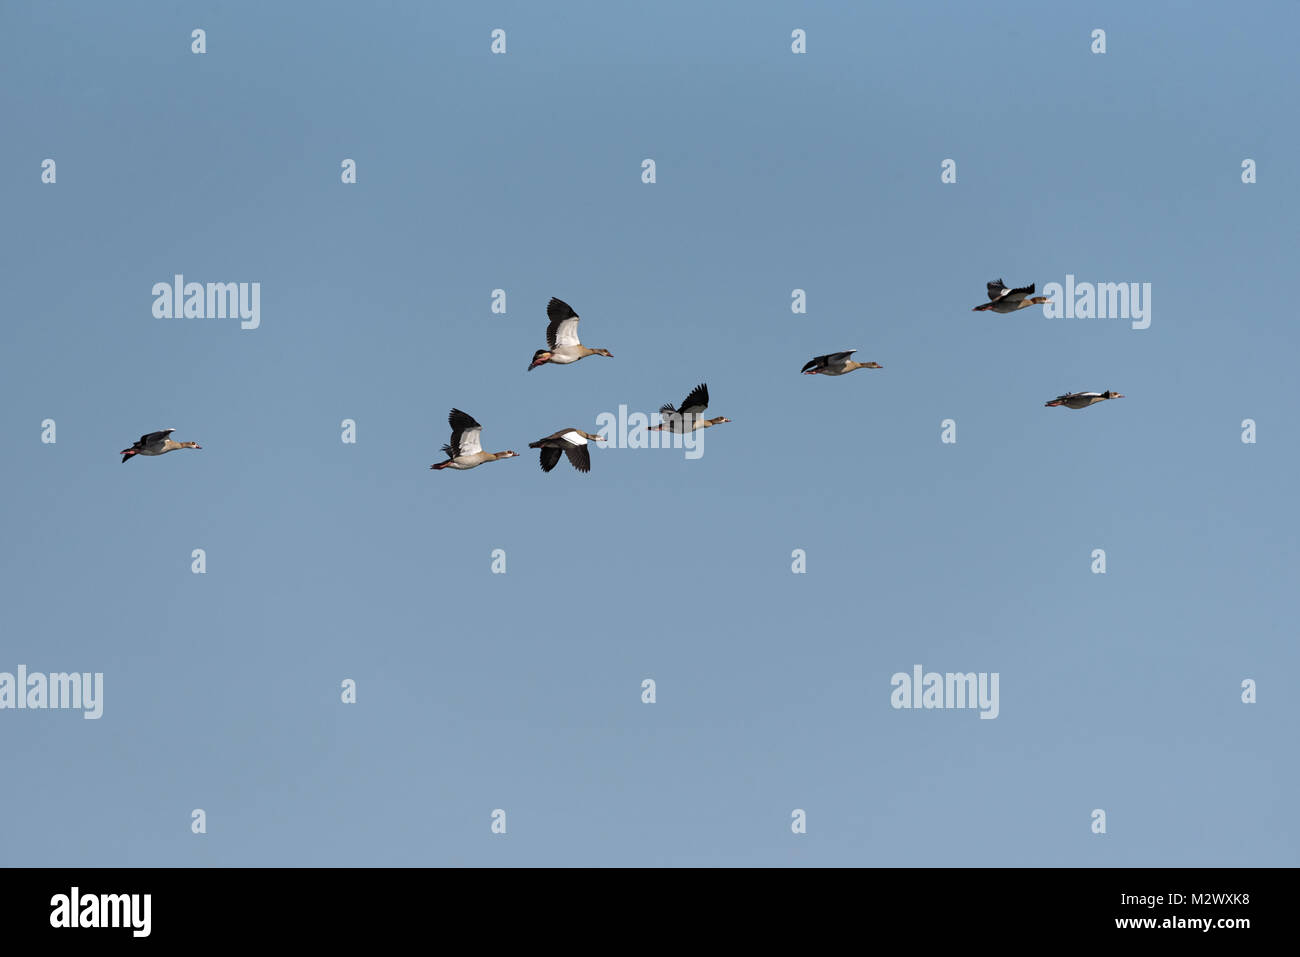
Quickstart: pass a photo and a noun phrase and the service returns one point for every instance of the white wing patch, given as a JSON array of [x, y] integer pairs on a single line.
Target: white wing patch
[[469, 441], [566, 333], [574, 438]]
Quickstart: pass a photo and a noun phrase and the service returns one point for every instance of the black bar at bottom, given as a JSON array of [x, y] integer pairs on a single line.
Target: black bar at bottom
[[337, 906]]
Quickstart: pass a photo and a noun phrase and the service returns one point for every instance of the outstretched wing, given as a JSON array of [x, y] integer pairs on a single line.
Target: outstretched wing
[[579, 457], [550, 455], [155, 436], [997, 289], [697, 401], [829, 362], [464, 433], [563, 328]]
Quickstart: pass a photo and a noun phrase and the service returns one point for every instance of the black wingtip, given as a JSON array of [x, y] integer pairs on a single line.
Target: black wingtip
[[459, 420], [559, 309]]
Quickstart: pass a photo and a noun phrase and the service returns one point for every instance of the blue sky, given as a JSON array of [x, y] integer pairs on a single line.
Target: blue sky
[[522, 691]]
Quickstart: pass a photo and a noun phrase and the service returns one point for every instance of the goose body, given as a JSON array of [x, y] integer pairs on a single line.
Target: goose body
[[837, 363], [562, 338], [570, 442], [1081, 400], [689, 418], [1003, 299], [465, 450], [156, 443]]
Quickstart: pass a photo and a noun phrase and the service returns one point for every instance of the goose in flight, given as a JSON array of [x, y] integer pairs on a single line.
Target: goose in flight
[[572, 442], [1081, 400], [562, 337], [465, 451], [1002, 299], [689, 417], [837, 363], [156, 443]]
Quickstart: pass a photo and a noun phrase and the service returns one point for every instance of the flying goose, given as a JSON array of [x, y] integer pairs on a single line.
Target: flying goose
[[572, 442], [689, 417], [562, 337], [1081, 400], [465, 451], [837, 363], [156, 443], [1009, 300]]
